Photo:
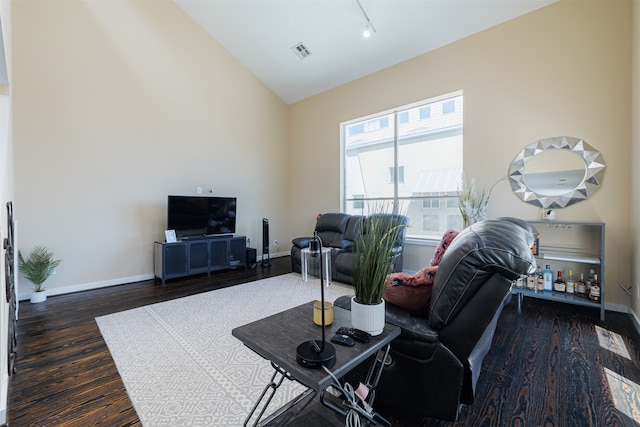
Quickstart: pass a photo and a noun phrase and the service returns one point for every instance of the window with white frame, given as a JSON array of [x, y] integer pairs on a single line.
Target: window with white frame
[[358, 201], [393, 171], [423, 144]]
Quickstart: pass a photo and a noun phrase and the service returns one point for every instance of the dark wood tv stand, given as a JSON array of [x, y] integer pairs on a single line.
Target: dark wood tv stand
[[200, 255]]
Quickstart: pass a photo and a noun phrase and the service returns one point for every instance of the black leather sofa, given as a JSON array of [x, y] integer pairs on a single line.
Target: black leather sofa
[[339, 232], [436, 361]]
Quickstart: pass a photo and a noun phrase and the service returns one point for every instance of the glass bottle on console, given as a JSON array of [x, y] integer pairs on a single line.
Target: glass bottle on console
[[581, 286], [531, 281], [560, 285], [539, 279], [594, 293], [547, 277], [571, 283], [590, 281]]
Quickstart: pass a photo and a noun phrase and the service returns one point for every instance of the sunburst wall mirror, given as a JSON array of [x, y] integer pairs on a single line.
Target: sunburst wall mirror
[[556, 172]]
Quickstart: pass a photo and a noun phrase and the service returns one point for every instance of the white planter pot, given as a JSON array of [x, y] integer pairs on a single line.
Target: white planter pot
[[368, 318], [37, 297]]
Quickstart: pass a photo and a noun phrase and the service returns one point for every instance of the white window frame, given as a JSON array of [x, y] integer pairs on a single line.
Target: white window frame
[[396, 200]]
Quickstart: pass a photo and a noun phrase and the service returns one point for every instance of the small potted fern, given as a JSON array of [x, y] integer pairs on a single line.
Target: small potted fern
[[37, 268]]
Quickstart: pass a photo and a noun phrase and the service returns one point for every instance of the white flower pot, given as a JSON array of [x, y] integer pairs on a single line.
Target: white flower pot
[[368, 318], [37, 297]]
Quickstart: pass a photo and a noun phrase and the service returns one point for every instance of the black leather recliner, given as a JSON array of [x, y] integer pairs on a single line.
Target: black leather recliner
[[336, 230], [436, 360], [343, 258], [339, 231]]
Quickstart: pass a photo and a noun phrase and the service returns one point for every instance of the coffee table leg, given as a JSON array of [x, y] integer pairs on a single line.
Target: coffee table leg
[[375, 371], [373, 377], [273, 386], [305, 264]]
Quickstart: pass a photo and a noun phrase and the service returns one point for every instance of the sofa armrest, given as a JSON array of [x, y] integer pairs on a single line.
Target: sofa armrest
[[302, 242]]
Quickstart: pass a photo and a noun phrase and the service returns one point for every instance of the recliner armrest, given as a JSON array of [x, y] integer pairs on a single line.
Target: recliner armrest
[[342, 245], [412, 326], [302, 242]]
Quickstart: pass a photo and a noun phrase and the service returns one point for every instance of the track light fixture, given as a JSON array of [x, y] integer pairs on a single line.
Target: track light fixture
[[369, 28], [367, 31]]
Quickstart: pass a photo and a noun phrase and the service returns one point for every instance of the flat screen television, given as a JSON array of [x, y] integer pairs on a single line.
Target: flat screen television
[[192, 216]]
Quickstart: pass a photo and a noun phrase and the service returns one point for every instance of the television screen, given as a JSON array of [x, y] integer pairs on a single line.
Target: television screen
[[201, 215]]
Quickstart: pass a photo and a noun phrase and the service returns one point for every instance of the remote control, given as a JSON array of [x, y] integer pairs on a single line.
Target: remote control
[[343, 340], [356, 334]]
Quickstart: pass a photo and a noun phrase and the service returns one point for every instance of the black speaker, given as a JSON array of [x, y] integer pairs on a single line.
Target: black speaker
[[252, 258], [266, 259]]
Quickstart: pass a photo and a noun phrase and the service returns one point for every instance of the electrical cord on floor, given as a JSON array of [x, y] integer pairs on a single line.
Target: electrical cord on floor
[[353, 417]]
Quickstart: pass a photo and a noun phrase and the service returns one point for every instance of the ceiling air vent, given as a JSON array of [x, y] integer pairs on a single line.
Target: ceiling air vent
[[301, 51]]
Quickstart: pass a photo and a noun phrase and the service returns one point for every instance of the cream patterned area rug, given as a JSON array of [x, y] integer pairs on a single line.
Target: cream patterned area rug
[[182, 367]]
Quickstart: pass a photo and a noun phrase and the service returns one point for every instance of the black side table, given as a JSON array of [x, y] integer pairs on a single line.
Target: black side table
[[276, 339]]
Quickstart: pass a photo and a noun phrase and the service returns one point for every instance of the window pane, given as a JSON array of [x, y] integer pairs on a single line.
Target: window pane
[[355, 129], [369, 206], [358, 204], [428, 169], [431, 151], [424, 112], [367, 157], [454, 222], [430, 223], [448, 107]]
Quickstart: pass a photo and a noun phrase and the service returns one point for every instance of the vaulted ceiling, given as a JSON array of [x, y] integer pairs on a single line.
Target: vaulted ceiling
[[262, 33]]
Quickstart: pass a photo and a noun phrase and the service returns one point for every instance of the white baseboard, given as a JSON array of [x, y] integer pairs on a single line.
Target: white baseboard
[[90, 286], [619, 308], [276, 255], [112, 282], [4, 397], [624, 309]]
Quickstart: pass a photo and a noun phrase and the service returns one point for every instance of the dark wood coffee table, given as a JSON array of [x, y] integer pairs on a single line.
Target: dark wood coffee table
[[277, 337]]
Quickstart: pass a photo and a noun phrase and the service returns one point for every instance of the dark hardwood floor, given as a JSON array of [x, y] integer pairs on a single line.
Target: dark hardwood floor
[[551, 365]]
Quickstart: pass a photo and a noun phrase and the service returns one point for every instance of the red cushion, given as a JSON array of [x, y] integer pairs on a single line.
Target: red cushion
[[411, 291], [447, 238]]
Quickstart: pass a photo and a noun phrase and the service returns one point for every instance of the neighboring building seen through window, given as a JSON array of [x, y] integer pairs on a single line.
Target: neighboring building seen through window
[[424, 150]]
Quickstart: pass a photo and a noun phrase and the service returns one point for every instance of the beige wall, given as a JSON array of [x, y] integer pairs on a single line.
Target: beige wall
[[117, 105], [6, 194], [635, 196], [562, 70]]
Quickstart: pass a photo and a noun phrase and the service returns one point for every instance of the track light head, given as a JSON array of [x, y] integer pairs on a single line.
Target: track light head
[[369, 28], [367, 31]]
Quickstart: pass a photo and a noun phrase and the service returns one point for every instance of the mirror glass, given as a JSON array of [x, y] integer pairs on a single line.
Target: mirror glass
[[556, 172]]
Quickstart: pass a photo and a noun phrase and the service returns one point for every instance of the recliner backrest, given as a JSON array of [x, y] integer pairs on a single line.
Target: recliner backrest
[[391, 220], [486, 247], [353, 228], [331, 227]]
